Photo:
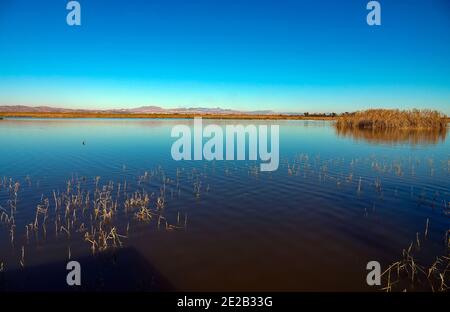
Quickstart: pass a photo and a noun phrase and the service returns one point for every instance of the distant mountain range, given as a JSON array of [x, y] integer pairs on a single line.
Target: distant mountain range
[[137, 110]]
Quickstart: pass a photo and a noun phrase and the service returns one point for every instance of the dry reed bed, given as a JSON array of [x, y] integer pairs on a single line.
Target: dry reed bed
[[393, 119]]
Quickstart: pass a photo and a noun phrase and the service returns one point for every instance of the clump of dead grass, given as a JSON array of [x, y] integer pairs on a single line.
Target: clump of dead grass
[[393, 119]]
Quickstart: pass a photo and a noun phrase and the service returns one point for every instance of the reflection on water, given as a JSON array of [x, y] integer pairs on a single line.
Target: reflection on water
[[313, 224], [394, 136]]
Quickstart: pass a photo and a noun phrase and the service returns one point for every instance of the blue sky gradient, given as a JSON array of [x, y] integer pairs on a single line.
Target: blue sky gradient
[[287, 55]]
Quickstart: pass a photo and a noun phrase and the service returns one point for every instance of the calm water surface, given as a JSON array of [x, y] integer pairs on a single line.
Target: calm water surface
[[336, 202]]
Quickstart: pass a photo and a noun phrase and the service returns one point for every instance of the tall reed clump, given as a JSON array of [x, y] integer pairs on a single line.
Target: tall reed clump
[[393, 119]]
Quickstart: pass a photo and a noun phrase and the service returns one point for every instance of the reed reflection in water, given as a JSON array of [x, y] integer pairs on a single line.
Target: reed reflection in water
[[394, 136]]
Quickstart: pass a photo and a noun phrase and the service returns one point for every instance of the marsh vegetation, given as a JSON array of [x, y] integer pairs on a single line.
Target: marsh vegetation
[[381, 119]]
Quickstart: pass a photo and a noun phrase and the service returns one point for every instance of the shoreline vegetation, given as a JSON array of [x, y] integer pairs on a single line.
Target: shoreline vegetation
[[389, 119], [378, 119], [165, 115]]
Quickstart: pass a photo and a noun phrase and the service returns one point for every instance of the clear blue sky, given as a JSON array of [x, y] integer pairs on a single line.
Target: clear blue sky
[[281, 55]]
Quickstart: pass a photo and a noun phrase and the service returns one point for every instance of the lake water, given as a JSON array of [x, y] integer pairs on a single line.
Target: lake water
[[337, 201]]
